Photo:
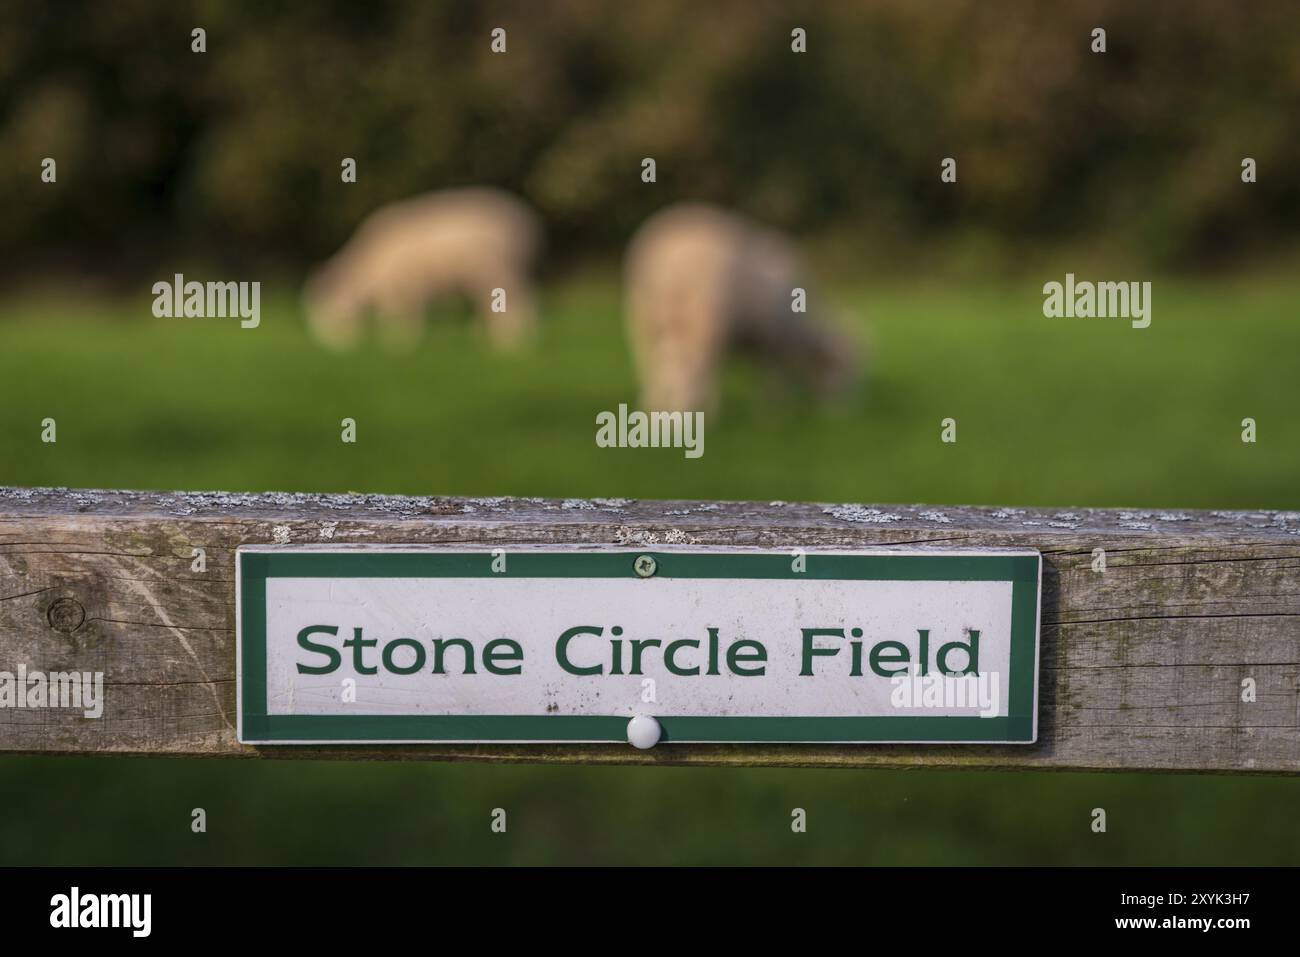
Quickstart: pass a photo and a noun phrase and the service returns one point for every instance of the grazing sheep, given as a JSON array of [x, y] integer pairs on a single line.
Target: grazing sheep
[[702, 282], [469, 242]]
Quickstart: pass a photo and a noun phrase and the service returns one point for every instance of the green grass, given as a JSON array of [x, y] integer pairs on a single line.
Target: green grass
[[138, 811], [1049, 412]]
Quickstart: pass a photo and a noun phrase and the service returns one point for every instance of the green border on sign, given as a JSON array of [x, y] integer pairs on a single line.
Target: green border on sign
[[257, 726]]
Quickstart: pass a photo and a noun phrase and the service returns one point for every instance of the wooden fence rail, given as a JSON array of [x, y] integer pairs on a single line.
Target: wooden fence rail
[[1151, 663]]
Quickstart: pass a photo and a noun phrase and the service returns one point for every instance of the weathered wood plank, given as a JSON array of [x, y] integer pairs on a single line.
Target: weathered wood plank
[[1142, 664]]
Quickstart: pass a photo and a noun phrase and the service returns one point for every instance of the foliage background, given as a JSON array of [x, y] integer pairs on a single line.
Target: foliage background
[[234, 155]]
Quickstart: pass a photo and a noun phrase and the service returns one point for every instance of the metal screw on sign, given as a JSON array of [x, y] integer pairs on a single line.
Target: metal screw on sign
[[643, 732], [645, 566]]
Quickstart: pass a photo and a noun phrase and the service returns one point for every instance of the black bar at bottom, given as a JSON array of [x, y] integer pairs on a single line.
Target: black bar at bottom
[[664, 908]]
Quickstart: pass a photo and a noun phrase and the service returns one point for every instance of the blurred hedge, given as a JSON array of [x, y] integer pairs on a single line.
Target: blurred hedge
[[235, 153]]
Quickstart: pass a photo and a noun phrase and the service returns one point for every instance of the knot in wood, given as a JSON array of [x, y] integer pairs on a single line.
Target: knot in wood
[[66, 615]]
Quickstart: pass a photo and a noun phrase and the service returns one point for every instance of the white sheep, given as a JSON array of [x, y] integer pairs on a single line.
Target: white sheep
[[702, 282], [475, 242]]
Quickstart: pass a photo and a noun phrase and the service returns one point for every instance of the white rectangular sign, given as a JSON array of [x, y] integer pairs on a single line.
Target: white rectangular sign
[[401, 644]]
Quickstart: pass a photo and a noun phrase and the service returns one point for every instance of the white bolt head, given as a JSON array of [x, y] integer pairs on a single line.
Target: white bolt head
[[643, 732]]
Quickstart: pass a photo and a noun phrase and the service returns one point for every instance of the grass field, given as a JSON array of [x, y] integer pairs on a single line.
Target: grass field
[[1049, 412]]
